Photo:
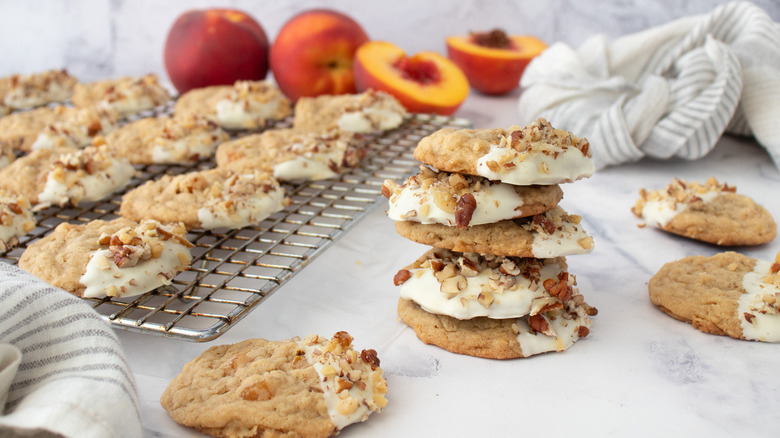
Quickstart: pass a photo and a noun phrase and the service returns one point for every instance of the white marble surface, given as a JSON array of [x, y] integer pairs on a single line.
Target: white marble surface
[[638, 373]]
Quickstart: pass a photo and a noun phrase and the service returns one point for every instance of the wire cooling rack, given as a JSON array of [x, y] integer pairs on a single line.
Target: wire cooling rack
[[233, 271]]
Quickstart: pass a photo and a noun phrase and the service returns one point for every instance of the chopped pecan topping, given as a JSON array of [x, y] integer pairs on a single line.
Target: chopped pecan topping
[[582, 331], [343, 338], [369, 356], [538, 323], [401, 277], [544, 222], [749, 317], [465, 209]]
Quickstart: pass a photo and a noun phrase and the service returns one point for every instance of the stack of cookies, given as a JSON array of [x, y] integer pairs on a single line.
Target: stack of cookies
[[495, 284]]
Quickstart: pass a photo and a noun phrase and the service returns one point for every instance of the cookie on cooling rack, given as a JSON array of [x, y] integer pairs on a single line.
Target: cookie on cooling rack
[[710, 212], [459, 200], [167, 140], [66, 175], [312, 387], [368, 112], [119, 258], [16, 220], [206, 199], [20, 130], [76, 127], [126, 95], [535, 154], [553, 233], [292, 154], [726, 294], [245, 105], [27, 91]]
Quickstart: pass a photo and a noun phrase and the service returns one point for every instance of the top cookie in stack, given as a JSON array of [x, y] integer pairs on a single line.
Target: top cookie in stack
[[496, 285]]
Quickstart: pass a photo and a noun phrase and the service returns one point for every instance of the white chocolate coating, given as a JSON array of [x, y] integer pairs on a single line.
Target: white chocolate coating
[[190, 148], [245, 113], [78, 186], [764, 323], [361, 121], [658, 213], [566, 332], [136, 280], [567, 239], [363, 397], [424, 289], [310, 166], [495, 202], [535, 167], [238, 211]]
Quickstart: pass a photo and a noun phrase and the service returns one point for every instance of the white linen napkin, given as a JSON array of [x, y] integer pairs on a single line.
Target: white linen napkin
[[671, 90], [71, 378]]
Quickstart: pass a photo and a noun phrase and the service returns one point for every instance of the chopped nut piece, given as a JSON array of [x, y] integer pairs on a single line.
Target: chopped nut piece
[[401, 277]]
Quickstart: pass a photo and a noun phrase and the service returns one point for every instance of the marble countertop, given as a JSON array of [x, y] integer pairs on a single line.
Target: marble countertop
[[638, 373]]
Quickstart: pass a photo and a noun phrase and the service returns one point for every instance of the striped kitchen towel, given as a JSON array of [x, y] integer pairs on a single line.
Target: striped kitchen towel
[[62, 371], [669, 91]]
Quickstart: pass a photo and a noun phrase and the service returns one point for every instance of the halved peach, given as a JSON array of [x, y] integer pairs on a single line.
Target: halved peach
[[424, 83], [493, 61]]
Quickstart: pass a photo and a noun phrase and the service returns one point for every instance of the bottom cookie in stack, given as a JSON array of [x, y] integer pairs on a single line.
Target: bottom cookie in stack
[[489, 306]]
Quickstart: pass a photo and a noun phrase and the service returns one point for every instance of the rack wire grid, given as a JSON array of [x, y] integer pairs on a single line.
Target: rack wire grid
[[232, 271]]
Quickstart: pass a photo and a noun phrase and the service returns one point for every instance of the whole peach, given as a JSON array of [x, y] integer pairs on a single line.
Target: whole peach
[[313, 54], [215, 47]]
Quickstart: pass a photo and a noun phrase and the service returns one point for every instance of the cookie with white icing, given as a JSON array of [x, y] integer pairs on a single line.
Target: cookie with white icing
[[710, 212], [36, 89], [84, 175], [76, 127], [119, 258], [553, 233], [126, 95], [245, 105], [535, 154], [453, 199], [727, 294], [471, 285], [206, 199], [291, 154], [313, 388], [16, 220], [552, 331], [20, 130], [66, 175], [167, 140], [368, 112]]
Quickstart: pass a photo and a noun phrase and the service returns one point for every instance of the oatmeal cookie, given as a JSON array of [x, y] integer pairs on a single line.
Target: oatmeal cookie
[[727, 294], [710, 212], [206, 199], [452, 199], [20, 130], [371, 111], [555, 330], [245, 105], [126, 95], [27, 91], [166, 140], [118, 258], [553, 233], [257, 388], [16, 220], [291, 154], [535, 154]]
